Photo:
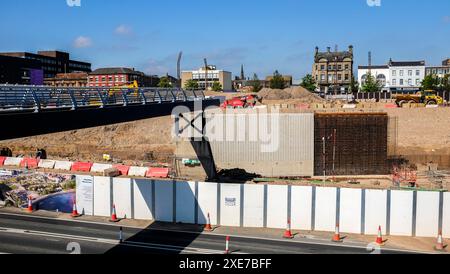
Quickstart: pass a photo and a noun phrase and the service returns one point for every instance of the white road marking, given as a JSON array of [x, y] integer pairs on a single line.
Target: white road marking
[[111, 242]]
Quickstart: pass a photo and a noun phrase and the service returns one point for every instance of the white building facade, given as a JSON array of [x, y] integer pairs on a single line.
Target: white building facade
[[406, 75], [206, 81], [396, 76], [381, 73]]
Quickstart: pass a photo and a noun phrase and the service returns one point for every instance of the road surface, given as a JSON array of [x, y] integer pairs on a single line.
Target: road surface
[[25, 234]]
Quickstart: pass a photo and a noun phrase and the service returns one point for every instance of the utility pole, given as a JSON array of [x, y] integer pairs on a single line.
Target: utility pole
[[206, 74], [180, 55]]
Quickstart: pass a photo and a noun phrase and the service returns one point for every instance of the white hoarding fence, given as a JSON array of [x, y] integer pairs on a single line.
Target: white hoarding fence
[[399, 213]]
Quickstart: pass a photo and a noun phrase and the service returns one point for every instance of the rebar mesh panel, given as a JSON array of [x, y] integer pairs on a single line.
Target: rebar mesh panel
[[351, 144]]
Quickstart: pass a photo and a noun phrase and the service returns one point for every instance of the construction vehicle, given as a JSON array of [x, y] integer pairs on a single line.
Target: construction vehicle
[[427, 97], [247, 101], [130, 88], [131, 85]]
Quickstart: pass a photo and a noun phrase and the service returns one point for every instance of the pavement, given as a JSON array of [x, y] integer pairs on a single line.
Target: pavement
[[55, 233]]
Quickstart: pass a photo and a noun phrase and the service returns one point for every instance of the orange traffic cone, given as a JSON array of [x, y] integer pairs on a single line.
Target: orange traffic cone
[[30, 205], [75, 213], [114, 218], [440, 243], [227, 245], [379, 240], [288, 233], [337, 236], [208, 226]]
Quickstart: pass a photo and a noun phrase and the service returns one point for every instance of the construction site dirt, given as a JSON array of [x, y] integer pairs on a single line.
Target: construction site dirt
[[418, 135]]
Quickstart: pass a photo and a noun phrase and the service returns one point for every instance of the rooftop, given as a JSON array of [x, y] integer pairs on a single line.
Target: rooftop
[[406, 63], [102, 71], [334, 55], [374, 67]]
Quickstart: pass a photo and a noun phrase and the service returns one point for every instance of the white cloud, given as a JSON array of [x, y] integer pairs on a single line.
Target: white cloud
[[82, 42], [123, 30], [156, 67]]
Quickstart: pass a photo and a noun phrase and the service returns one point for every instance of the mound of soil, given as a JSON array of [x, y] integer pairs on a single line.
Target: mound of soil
[[292, 93]]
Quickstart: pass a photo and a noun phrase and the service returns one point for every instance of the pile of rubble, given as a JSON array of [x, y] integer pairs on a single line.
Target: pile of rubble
[[15, 189]]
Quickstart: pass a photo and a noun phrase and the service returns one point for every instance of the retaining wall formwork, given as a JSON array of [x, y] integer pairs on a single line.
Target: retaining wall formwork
[[351, 144]]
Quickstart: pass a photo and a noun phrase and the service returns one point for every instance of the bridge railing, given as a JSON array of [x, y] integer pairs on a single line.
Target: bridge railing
[[42, 97]]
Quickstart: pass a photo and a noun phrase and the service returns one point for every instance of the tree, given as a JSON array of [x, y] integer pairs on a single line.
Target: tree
[[309, 83], [216, 86], [430, 82], [164, 82], [354, 86], [191, 85], [446, 82], [255, 84], [277, 81], [371, 84]]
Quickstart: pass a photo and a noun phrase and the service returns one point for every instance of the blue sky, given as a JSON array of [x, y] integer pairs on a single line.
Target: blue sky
[[263, 35]]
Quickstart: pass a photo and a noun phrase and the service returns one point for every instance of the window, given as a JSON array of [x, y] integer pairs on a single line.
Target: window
[[401, 82], [347, 77], [322, 77], [322, 67], [417, 82], [339, 77], [410, 82], [417, 72], [339, 67], [347, 66], [410, 72], [394, 73], [401, 73], [394, 82]]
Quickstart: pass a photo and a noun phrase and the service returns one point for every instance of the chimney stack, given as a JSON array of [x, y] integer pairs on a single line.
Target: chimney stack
[[350, 49], [317, 50]]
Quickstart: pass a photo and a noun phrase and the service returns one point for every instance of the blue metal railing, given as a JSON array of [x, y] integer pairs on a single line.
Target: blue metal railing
[[37, 98]]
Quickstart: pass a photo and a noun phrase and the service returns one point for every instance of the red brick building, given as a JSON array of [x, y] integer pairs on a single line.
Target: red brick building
[[113, 77]]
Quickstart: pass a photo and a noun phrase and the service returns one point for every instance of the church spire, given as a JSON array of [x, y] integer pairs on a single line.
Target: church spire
[[242, 73]]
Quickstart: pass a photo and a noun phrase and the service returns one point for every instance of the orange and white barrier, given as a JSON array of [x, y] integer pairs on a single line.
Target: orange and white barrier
[[138, 171], [81, 167], [12, 161], [47, 164], [100, 168], [2, 160], [154, 172], [63, 165], [29, 163], [122, 169]]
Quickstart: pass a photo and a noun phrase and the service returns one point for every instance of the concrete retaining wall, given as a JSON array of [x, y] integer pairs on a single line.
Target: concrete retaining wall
[[293, 141], [399, 213]]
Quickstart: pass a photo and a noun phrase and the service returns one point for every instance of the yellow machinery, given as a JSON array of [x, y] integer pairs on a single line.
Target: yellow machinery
[[427, 97], [112, 92], [132, 85]]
